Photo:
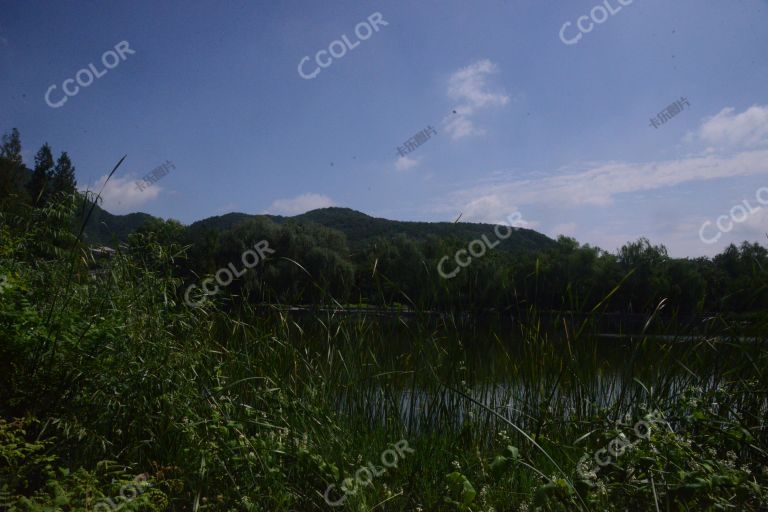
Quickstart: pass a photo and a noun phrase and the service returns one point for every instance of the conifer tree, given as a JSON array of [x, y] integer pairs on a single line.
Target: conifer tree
[[12, 176], [11, 148], [63, 179], [41, 176]]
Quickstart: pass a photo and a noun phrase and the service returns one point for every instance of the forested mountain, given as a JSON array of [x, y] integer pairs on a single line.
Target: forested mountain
[[360, 229], [105, 228]]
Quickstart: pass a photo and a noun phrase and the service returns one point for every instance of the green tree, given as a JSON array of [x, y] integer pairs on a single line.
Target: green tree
[[12, 171], [687, 286], [63, 179], [648, 284], [333, 276], [38, 184], [11, 148]]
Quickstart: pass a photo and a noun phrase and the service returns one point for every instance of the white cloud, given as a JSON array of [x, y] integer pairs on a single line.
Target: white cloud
[[729, 130], [122, 195], [683, 238], [459, 126], [404, 163], [567, 229], [600, 185], [734, 145], [751, 227], [469, 86], [299, 204]]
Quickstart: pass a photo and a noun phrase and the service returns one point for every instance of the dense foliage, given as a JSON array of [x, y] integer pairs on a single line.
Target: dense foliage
[[114, 393], [360, 259]]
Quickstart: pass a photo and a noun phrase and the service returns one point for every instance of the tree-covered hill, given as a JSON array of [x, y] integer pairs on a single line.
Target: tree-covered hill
[[105, 228], [360, 229]]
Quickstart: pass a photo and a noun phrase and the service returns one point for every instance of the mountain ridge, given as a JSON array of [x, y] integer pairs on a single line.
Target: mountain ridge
[[359, 228]]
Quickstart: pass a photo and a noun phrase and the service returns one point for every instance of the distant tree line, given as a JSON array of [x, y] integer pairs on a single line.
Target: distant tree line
[[313, 264], [316, 264]]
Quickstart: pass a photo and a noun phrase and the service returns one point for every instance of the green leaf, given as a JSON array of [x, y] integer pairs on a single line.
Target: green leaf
[[459, 485]]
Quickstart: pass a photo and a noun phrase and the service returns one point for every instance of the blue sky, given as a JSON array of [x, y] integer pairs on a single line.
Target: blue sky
[[559, 132]]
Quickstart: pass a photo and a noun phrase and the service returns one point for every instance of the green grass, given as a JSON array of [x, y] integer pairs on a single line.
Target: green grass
[[108, 376]]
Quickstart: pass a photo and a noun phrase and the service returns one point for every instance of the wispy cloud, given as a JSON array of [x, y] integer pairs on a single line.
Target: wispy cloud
[[469, 84], [404, 163], [599, 184], [469, 87], [728, 130], [299, 204], [121, 195]]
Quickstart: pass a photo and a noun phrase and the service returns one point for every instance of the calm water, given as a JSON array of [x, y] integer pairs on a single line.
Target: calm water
[[401, 369]]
